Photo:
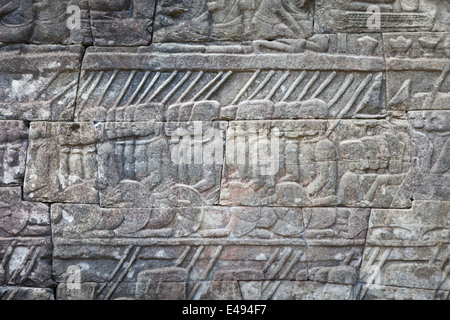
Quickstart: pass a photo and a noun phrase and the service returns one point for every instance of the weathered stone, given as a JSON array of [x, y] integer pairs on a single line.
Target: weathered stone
[[408, 248], [122, 22], [103, 23], [23, 293], [418, 70], [61, 163], [146, 84], [151, 164], [224, 149], [431, 154], [13, 150], [39, 82], [231, 251], [208, 87], [209, 21], [25, 243], [310, 290], [381, 16], [377, 292], [318, 163], [44, 22]]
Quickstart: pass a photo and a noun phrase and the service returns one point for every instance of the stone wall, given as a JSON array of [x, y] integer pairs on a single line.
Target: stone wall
[[224, 149]]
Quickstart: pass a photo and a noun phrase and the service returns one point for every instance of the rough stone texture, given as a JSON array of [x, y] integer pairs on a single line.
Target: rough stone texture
[[239, 247], [234, 20], [13, 149], [417, 71], [103, 23], [136, 168], [61, 163], [224, 149], [350, 163], [39, 82], [408, 249], [25, 244], [160, 84], [396, 15], [24, 293]]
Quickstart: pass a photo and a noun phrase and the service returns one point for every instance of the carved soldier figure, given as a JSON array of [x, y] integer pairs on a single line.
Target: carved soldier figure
[[365, 158], [231, 20], [281, 19], [422, 148]]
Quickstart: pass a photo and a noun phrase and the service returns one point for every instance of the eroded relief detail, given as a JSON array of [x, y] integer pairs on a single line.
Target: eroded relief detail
[[137, 168], [87, 22], [13, 148], [61, 163], [360, 164], [394, 15], [224, 149], [418, 76], [25, 245], [430, 138], [124, 22], [407, 253], [39, 82], [273, 89], [228, 253], [237, 20]]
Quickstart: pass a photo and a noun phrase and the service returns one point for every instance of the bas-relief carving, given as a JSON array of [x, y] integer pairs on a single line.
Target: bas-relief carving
[[233, 253], [61, 163], [13, 148], [237, 20], [418, 71], [143, 227], [144, 173], [121, 23], [208, 87], [408, 249], [40, 21], [349, 163], [39, 82], [102, 23], [395, 15], [430, 139], [25, 244], [24, 293]]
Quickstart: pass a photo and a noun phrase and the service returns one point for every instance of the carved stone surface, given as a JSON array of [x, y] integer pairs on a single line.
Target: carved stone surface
[[234, 20], [225, 149], [98, 22], [395, 15], [61, 163], [39, 82], [408, 249], [208, 252], [13, 148], [418, 71], [208, 87], [137, 169], [122, 22], [25, 244], [23, 293], [430, 139], [320, 163]]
